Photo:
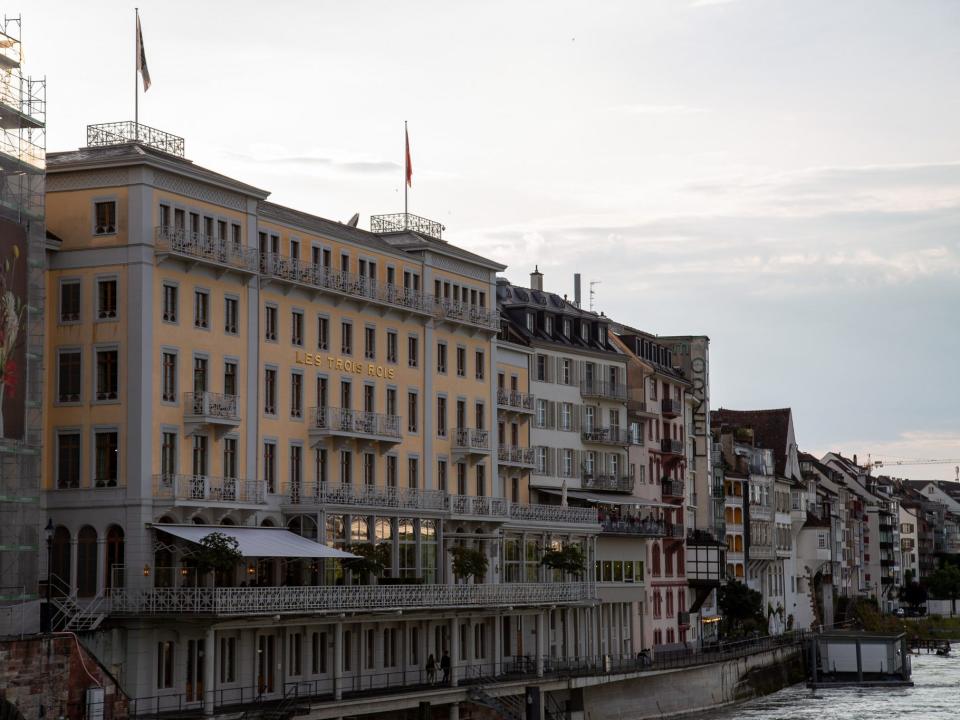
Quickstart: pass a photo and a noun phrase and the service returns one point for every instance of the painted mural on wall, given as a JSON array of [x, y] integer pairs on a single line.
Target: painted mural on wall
[[13, 329]]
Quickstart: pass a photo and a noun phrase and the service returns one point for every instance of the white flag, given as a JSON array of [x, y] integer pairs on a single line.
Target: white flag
[[142, 59]]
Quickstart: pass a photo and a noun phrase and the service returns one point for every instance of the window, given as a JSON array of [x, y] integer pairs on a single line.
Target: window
[[296, 469], [68, 460], [168, 391], [106, 458], [296, 328], [461, 362], [165, 664], [369, 469], [270, 324], [566, 373], [320, 465], [228, 659], [442, 475], [541, 413], [413, 472], [170, 293], [566, 414], [481, 480], [441, 357], [391, 346], [391, 470], [230, 378], [296, 395], [270, 466], [69, 376], [323, 333], [441, 416], [201, 309], [530, 322], [369, 343], [107, 299], [231, 316], [168, 454], [540, 372], [70, 301], [480, 361], [346, 467], [346, 338], [413, 351], [411, 412], [107, 374], [391, 407], [230, 460], [105, 222], [270, 391], [461, 479]]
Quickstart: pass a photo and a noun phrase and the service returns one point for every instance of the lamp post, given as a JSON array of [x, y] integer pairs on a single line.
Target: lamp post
[[48, 615]]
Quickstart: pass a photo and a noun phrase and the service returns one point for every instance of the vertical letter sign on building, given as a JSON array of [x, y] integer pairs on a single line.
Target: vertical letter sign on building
[[13, 328]]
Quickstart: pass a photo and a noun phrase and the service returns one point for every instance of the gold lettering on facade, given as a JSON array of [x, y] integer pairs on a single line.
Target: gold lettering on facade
[[332, 363]]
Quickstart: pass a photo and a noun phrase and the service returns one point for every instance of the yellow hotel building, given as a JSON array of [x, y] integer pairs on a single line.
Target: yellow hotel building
[[220, 362]]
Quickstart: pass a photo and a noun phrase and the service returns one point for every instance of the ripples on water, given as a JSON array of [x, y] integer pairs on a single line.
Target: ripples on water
[[934, 696]]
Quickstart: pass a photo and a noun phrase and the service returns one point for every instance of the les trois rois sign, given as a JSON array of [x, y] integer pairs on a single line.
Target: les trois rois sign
[[346, 365]]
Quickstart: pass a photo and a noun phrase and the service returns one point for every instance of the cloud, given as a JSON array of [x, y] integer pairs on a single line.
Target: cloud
[[276, 157], [645, 109]]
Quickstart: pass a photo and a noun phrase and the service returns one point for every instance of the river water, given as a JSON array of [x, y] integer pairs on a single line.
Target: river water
[[935, 696]]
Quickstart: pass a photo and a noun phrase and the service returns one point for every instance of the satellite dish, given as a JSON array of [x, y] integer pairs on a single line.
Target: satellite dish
[[354, 220]]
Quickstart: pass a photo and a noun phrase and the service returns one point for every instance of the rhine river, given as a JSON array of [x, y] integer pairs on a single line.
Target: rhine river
[[935, 695]]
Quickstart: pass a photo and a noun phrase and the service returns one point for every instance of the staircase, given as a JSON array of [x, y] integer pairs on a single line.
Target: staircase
[[68, 614], [508, 707]]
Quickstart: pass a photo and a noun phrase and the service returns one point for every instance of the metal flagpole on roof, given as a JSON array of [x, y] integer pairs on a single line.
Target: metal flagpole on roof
[[136, 72], [406, 171]]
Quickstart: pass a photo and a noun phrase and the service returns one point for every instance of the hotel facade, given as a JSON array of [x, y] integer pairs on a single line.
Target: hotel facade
[[220, 362]]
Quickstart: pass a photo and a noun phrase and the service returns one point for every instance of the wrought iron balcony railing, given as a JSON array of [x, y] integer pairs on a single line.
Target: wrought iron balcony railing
[[368, 496], [516, 456], [294, 270], [591, 480], [206, 248], [470, 314], [209, 489], [633, 526], [554, 513], [514, 401], [237, 601], [671, 488], [406, 222], [669, 446], [479, 506], [471, 440], [343, 422], [670, 407], [603, 389], [674, 530], [606, 436], [211, 407]]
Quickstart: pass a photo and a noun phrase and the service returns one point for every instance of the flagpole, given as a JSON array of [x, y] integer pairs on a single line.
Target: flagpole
[[136, 80], [406, 142]]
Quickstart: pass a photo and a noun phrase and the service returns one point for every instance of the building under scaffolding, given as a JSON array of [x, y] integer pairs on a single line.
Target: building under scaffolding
[[22, 253]]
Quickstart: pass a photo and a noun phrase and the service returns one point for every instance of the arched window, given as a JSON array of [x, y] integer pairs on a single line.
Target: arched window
[[738, 543], [87, 562], [61, 556], [228, 521], [680, 565], [668, 562], [656, 561], [114, 561], [304, 526], [197, 520], [267, 522], [738, 516]]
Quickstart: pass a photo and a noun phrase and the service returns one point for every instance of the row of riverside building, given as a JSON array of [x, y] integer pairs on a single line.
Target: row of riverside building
[[203, 360]]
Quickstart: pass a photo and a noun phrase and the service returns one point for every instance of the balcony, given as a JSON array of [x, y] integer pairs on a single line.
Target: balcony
[[473, 315], [554, 514], [327, 422], [672, 489], [671, 447], [208, 490], [207, 408], [606, 436], [274, 266], [717, 492], [590, 480], [638, 406], [674, 531], [471, 441], [760, 512], [514, 401], [368, 496], [479, 506], [520, 457], [299, 600], [603, 390], [633, 527], [761, 552], [670, 408], [197, 247]]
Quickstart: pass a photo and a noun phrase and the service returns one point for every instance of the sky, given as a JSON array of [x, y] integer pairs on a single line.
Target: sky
[[782, 176]]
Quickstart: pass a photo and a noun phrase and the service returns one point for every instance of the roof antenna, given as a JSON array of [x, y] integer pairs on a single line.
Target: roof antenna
[[593, 293]]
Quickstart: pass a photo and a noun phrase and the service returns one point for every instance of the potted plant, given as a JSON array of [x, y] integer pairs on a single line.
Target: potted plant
[[569, 559], [468, 562]]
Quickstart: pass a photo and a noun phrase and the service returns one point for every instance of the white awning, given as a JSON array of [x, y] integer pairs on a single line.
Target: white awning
[[594, 497], [259, 542]]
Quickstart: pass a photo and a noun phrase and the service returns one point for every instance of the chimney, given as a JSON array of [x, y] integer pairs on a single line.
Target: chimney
[[576, 289], [536, 279]]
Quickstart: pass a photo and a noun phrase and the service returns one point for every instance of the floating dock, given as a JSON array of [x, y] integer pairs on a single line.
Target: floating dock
[[864, 659]]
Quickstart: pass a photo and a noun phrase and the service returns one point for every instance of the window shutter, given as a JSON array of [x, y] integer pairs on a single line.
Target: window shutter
[[575, 418], [551, 414], [577, 463]]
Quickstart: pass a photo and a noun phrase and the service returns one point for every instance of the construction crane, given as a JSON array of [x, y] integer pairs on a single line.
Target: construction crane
[[871, 463]]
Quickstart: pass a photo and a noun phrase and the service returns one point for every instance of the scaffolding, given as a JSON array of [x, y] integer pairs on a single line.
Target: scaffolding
[[22, 181]]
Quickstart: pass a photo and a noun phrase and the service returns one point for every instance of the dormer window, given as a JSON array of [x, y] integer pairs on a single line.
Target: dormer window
[[584, 331], [548, 325], [530, 322], [601, 329], [566, 327]]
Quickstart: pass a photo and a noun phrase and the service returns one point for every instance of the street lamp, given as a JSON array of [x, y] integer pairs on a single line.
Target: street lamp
[[48, 615]]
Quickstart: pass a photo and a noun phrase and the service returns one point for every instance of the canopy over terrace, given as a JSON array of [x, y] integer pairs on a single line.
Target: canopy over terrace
[[259, 542]]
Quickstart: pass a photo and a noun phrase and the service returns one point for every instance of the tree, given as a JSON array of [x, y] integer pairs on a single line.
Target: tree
[[468, 562], [371, 559], [569, 559], [913, 594], [945, 584], [741, 607], [217, 552]]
